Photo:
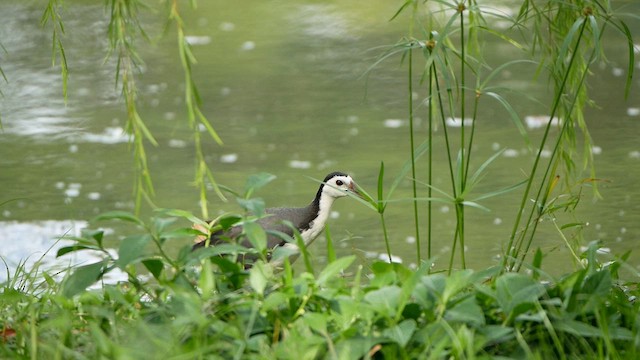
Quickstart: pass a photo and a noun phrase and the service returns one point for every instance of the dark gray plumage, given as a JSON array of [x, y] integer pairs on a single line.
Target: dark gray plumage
[[309, 220]]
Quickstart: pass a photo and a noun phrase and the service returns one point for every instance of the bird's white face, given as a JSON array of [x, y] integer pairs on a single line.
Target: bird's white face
[[339, 186]]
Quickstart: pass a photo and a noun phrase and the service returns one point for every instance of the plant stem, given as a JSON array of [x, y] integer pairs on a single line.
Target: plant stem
[[386, 236], [525, 196], [413, 158]]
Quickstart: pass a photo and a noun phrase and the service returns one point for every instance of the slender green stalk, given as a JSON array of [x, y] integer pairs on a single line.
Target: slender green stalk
[[525, 197], [463, 175], [416, 217], [548, 173], [386, 236], [381, 207], [449, 157], [432, 79], [461, 9]]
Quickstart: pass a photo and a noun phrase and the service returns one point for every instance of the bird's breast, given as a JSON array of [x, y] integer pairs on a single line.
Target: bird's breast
[[312, 232]]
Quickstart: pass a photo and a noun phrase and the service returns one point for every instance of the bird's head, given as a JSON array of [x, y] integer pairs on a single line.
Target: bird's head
[[338, 184]]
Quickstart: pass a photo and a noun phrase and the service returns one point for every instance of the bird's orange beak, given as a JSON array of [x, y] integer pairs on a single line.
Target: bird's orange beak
[[354, 188]]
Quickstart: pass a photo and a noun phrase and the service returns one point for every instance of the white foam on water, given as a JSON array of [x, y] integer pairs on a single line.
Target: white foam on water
[[39, 241]]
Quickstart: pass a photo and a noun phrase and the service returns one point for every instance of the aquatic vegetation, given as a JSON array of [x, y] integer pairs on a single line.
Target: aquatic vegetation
[[202, 304]]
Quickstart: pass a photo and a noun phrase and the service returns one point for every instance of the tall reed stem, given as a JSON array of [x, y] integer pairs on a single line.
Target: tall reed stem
[[413, 157], [556, 104]]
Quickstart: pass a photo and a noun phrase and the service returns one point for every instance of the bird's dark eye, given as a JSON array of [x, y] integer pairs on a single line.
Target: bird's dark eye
[[339, 182]]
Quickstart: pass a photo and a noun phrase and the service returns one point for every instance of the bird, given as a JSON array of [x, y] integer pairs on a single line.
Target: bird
[[309, 220]]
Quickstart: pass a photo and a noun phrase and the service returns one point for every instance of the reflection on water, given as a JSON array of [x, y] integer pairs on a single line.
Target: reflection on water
[[286, 86]]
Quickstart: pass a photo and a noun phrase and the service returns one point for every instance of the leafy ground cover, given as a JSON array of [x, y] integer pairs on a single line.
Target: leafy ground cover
[[204, 305]]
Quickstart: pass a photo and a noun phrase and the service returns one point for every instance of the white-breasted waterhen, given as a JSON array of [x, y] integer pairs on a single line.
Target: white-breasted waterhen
[[309, 220]]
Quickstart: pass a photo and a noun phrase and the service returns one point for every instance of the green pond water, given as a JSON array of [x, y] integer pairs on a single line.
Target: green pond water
[[286, 86]]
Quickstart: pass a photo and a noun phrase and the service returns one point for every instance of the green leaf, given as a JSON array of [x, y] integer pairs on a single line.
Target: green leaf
[[82, 277], [69, 249], [275, 300], [401, 333], [496, 334], [182, 214], [131, 249], [384, 300], [154, 266], [406, 4], [96, 235], [119, 215], [257, 181], [514, 290], [631, 61], [259, 276], [181, 233], [467, 311], [333, 269], [331, 251], [316, 321], [577, 328], [254, 206], [228, 221], [380, 203], [354, 348], [409, 285], [515, 119], [256, 235], [456, 282]]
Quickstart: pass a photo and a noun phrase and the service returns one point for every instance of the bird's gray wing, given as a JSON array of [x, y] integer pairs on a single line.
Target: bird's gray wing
[[280, 219]]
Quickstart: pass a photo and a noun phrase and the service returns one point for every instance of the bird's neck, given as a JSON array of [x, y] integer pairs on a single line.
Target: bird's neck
[[321, 205], [324, 208]]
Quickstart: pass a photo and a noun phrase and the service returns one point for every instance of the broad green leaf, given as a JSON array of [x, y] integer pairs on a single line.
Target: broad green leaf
[[255, 206], [514, 290], [577, 328], [154, 266], [456, 282], [259, 276], [409, 285], [496, 334], [257, 181], [131, 249], [81, 278], [401, 333], [597, 288], [228, 221], [384, 300], [333, 269], [355, 348], [275, 300], [467, 311], [256, 235], [430, 289], [316, 321]]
